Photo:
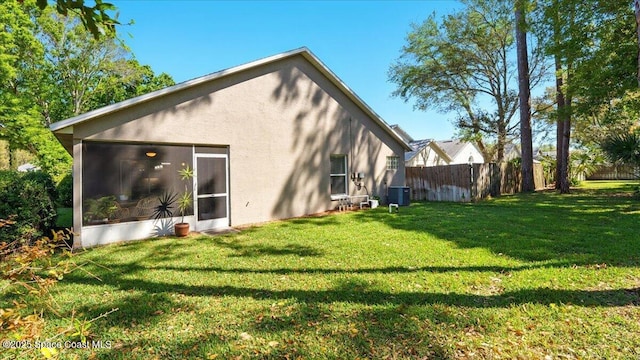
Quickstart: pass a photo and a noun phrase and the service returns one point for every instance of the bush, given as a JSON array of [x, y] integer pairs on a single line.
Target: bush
[[65, 191], [26, 201], [45, 180], [29, 273]]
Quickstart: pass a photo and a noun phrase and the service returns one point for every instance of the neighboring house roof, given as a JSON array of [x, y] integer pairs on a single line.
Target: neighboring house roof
[[512, 151], [454, 147], [65, 126], [416, 145], [419, 145], [451, 147], [27, 168], [539, 154]]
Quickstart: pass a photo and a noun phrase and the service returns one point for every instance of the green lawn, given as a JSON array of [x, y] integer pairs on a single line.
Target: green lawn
[[65, 217], [521, 276]]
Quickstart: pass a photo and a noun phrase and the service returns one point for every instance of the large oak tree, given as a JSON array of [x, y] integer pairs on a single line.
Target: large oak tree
[[465, 63]]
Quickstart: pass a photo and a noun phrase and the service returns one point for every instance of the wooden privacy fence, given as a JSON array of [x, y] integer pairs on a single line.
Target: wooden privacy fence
[[466, 182], [613, 172]]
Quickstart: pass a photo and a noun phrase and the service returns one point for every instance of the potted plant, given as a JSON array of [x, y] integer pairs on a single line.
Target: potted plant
[[184, 202], [374, 202], [100, 210]]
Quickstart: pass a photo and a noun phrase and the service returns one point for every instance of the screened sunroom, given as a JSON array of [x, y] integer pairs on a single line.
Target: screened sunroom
[[132, 183]]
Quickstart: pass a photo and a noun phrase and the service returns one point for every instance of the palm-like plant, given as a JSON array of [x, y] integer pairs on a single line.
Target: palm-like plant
[[165, 204], [185, 200], [623, 148]]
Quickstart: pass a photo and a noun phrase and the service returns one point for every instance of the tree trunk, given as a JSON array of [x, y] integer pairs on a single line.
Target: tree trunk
[[12, 157], [563, 121], [500, 144], [562, 155], [636, 4], [526, 141]]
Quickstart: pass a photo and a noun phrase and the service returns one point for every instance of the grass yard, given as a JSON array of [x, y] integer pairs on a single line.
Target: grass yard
[[65, 217], [533, 276]]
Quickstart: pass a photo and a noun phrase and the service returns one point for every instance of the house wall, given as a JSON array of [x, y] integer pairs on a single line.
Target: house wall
[[462, 157], [281, 121]]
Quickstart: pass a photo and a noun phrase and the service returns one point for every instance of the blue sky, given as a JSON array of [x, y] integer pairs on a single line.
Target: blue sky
[[357, 40]]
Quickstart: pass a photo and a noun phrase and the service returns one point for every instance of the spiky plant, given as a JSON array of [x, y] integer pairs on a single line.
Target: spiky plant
[[623, 148]]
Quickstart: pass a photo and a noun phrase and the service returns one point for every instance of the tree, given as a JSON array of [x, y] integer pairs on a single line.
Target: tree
[[462, 64], [524, 95], [21, 57], [76, 64], [95, 18], [636, 6], [623, 148], [85, 73], [563, 134], [52, 68], [135, 81], [594, 52]]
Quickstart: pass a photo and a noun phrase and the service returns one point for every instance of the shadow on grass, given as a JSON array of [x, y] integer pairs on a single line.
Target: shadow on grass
[[372, 333], [301, 327], [377, 270], [579, 229], [133, 310], [255, 250], [367, 296], [399, 324]]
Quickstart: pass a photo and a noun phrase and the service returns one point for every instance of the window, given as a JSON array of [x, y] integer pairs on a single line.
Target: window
[[338, 174], [131, 182], [392, 162]]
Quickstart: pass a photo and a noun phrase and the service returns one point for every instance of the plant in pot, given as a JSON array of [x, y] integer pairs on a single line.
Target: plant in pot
[[100, 210], [184, 202], [374, 202]]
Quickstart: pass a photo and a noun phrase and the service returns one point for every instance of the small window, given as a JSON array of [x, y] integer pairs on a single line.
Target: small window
[[338, 174], [392, 162]]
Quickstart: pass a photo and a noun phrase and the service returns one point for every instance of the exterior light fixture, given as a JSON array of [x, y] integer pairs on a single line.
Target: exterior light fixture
[[357, 179], [151, 154]]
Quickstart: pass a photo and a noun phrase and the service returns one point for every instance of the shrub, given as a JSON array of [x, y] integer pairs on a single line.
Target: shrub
[[65, 191], [27, 202], [29, 273], [45, 180]]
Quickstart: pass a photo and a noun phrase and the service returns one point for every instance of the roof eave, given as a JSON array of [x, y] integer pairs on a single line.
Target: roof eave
[[62, 126]]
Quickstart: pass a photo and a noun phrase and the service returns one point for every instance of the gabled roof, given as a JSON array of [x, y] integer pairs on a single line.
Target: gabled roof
[[64, 126], [452, 147], [419, 145], [510, 147], [416, 146]]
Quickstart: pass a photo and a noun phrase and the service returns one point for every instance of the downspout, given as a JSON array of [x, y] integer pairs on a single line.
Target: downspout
[[351, 173]]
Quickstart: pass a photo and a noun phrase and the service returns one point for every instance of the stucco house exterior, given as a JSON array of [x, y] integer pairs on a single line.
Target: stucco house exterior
[[461, 152], [276, 138]]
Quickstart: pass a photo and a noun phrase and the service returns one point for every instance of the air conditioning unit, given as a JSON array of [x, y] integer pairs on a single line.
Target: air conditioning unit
[[398, 195]]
